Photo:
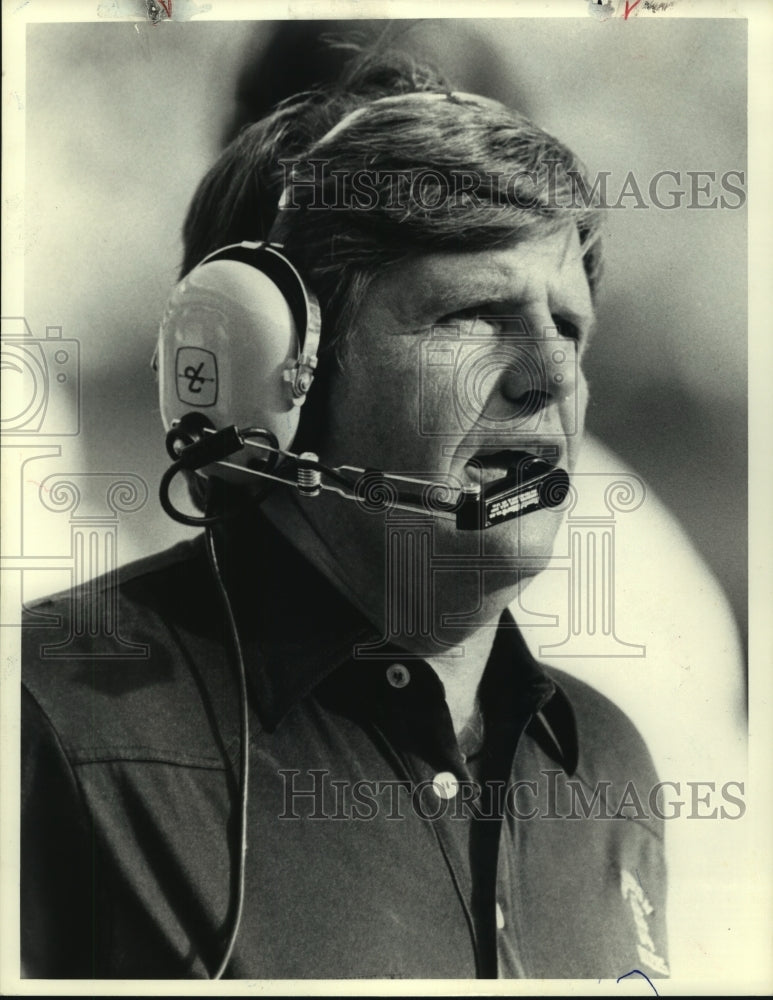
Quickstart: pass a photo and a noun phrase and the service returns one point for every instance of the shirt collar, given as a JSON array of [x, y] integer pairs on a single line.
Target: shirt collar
[[296, 629], [513, 669]]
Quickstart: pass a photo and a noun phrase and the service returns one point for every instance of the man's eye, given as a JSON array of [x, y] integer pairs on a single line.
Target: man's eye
[[474, 315], [461, 314]]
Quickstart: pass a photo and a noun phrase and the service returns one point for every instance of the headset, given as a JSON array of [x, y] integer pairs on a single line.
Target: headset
[[236, 359], [237, 354]]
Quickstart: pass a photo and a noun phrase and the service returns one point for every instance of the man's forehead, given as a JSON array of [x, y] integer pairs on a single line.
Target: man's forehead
[[439, 283]]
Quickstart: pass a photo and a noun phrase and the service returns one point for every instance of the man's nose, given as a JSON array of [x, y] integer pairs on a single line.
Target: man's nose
[[541, 370]]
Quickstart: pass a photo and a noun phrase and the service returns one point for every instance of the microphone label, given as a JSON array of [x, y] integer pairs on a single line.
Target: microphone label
[[508, 506]]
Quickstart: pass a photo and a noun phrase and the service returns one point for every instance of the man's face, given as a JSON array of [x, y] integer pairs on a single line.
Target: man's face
[[459, 363]]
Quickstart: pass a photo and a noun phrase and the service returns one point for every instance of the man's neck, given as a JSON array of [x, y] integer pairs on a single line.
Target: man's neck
[[288, 517], [461, 673], [458, 664]]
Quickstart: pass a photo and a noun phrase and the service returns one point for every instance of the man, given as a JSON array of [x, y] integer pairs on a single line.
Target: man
[[418, 798]]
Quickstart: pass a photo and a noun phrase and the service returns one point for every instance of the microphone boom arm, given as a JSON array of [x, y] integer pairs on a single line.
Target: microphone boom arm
[[194, 444]]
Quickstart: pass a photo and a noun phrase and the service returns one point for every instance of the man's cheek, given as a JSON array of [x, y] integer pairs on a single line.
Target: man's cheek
[[583, 398], [430, 407], [574, 426]]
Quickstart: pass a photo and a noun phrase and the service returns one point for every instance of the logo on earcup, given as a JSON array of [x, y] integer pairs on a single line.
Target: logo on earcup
[[196, 370]]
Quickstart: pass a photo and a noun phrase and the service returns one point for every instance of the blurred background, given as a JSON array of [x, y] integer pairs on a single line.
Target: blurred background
[[122, 120]]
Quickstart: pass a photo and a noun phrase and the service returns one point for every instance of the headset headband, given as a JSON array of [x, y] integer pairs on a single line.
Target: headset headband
[[454, 97], [227, 348], [269, 259]]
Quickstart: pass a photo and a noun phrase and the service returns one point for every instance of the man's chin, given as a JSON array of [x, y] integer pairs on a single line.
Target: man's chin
[[502, 558], [530, 538]]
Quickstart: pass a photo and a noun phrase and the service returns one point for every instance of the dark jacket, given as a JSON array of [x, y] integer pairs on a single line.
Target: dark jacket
[[536, 855]]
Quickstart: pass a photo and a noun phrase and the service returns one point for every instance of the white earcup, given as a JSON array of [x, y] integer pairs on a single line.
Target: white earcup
[[230, 346]]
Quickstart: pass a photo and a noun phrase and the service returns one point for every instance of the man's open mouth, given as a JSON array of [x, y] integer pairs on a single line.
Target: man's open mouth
[[488, 466]]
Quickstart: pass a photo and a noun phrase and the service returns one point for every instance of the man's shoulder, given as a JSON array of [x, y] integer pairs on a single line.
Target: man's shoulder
[[113, 664], [609, 745], [130, 582]]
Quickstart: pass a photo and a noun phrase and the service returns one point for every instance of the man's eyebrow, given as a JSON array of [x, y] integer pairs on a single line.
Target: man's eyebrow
[[509, 304], [470, 294]]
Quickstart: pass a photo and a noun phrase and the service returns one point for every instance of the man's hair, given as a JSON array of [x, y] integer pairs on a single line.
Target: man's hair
[[399, 178]]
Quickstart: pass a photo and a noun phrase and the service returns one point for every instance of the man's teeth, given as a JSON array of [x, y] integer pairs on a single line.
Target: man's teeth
[[486, 468]]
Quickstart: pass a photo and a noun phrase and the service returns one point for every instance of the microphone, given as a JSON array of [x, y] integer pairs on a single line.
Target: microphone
[[531, 485], [195, 444]]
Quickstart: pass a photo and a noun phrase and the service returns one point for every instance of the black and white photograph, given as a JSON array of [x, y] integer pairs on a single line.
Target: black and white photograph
[[385, 498]]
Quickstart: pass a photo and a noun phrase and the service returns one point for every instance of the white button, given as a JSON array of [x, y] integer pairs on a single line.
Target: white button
[[445, 785], [398, 675], [500, 918]]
